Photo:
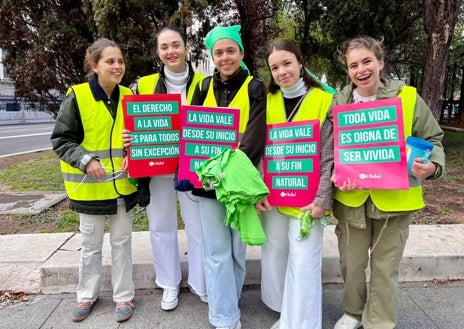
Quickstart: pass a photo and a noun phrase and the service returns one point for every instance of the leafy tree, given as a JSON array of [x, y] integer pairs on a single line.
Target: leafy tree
[[457, 56], [46, 40], [255, 18], [139, 20], [132, 24], [440, 21], [394, 21], [256, 29], [324, 24], [45, 43]]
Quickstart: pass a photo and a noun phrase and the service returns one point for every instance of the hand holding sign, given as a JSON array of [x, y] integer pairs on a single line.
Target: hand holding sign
[[126, 138], [346, 185]]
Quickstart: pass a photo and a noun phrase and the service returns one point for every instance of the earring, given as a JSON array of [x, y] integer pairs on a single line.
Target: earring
[[301, 72]]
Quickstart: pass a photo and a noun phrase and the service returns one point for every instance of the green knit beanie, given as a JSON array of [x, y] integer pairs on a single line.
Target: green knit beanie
[[223, 32]]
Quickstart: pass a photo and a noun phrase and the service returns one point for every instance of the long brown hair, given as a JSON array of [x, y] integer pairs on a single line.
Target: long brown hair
[[291, 47]]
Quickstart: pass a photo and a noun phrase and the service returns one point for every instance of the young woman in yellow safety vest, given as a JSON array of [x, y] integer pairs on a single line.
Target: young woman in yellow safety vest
[[157, 193], [290, 265], [87, 138], [224, 252], [373, 225]]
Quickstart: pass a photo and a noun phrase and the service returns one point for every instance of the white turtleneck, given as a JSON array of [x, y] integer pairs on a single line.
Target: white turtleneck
[[297, 90], [176, 83]]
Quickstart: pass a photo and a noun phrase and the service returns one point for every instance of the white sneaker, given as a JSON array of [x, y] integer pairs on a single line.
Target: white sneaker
[[203, 298], [347, 322], [238, 325], [276, 325], [170, 299]]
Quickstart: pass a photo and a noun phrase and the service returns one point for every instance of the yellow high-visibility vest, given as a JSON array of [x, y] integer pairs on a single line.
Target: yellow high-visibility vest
[[240, 101], [391, 200], [315, 105], [102, 137]]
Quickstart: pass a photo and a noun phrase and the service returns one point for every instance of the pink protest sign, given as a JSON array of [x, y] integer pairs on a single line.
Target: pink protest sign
[[154, 122], [291, 162], [206, 132], [369, 144]]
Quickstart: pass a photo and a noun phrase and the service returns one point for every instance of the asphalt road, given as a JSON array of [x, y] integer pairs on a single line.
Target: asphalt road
[[25, 138]]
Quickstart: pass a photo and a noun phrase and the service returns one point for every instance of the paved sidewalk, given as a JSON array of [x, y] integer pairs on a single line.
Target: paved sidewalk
[[46, 266], [48, 263], [422, 306]]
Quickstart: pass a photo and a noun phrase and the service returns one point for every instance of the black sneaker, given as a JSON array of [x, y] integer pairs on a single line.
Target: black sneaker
[[124, 310], [82, 311]]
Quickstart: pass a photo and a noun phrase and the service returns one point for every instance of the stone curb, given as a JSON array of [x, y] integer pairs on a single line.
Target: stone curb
[[48, 263]]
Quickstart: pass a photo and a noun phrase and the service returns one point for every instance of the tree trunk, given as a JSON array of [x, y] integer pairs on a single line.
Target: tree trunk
[[440, 19]]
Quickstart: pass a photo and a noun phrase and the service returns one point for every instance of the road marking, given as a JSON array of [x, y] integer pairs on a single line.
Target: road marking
[[17, 136], [25, 152]]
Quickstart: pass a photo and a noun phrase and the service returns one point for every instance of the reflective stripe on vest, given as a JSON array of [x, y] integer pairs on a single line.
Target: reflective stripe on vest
[[314, 106], [102, 136], [241, 101], [147, 85], [391, 200]]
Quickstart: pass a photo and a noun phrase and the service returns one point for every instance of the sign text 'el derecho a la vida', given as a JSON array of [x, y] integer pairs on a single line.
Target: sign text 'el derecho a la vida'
[[291, 162], [370, 145], [206, 132], [154, 122]]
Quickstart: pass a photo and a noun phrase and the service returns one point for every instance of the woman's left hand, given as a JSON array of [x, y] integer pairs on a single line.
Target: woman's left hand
[[263, 205], [125, 164], [316, 211], [421, 170], [348, 185]]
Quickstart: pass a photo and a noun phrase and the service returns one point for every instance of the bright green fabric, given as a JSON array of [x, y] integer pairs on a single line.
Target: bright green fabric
[[224, 32], [324, 86], [238, 186]]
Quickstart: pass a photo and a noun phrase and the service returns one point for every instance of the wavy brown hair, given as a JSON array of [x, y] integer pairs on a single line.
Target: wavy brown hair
[[360, 42]]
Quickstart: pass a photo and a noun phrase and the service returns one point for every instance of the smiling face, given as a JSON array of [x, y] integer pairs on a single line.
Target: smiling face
[[110, 68], [364, 70], [172, 50], [285, 68], [227, 57]]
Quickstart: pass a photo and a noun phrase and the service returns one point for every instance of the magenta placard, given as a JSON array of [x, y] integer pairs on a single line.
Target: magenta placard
[[370, 144], [206, 132], [291, 162]]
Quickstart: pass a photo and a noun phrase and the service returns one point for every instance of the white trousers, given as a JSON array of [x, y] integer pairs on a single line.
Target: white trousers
[[291, 271], [162, 216], [92, 229]]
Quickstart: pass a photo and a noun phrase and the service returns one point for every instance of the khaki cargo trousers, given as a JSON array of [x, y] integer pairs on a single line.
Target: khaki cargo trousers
[[370, 237]]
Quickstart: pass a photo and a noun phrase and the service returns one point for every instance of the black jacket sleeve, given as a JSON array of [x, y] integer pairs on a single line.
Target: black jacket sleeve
[[252, 142]]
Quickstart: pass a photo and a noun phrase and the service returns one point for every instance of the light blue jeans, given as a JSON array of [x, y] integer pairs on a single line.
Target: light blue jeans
[[224, 261]]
